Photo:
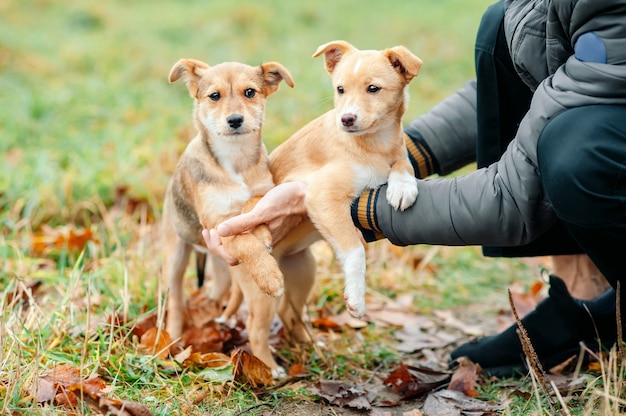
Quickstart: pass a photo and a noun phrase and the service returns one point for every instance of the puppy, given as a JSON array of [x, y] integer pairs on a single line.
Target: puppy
[[222, 171], [357, 145]]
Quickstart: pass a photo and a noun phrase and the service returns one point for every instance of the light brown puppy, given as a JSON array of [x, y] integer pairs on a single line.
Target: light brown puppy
[[357, 145], [221, 169]]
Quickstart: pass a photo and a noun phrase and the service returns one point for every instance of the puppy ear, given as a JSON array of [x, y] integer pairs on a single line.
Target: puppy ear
[[333, 52], [407, 64], [189, 71], [273, 73]]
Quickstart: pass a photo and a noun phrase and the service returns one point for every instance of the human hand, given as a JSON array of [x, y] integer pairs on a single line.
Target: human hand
[[282, 209]]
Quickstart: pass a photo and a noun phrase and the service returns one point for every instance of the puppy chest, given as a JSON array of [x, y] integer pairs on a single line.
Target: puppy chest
[[225, 200], [369, 176]]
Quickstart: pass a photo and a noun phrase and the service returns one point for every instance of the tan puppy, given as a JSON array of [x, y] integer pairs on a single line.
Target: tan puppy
[[221, 169], [357, 145]]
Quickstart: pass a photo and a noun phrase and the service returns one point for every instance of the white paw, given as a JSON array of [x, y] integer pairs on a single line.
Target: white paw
[[279, 372], [401, 190], [354, 274], [225, 320], [356, 307]]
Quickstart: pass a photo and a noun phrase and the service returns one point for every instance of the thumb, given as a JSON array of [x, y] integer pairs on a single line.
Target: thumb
[[236, 225]]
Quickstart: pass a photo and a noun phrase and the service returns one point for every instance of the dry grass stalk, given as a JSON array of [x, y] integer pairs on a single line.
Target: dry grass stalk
[[531, 355]]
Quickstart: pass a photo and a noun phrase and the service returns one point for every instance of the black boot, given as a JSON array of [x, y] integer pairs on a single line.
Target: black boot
[[555, 327]]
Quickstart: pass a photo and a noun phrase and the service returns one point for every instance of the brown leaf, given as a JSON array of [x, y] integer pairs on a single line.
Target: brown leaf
[[142, 325], [201, 309], [342, 394], [297, 370], [67, 237], [465, 378], [160, 346], [22, 292], [526, 301], [451, 402], [408, 381], [326, 324], [248, 369], [93, 386], [117, 407], [54, 380], [205, 339], [63, 386], [210, 359], [129, 204]]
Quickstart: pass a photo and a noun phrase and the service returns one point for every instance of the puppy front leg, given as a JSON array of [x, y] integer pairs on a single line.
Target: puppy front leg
[[402, 185], [255, 257], [328, 206], [261, 312], [177, 254]]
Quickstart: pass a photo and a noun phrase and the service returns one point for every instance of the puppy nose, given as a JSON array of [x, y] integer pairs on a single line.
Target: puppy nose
[[348, 119], [235, 121]]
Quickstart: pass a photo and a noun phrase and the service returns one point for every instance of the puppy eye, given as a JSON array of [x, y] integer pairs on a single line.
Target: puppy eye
[[215, 96], [373, 89], [249, 93], [340, 90]]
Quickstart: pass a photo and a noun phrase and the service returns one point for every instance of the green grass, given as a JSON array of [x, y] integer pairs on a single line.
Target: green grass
[[89, 125], [86, 105]]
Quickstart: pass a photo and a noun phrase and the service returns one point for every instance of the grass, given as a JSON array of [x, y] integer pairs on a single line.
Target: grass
[[91, 131]]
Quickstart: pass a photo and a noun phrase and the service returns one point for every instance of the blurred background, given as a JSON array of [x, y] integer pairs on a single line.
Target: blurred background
[[87, 113]]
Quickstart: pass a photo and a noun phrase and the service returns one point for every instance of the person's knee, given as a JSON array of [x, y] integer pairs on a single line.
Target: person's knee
[[568, 166], [581, 157]]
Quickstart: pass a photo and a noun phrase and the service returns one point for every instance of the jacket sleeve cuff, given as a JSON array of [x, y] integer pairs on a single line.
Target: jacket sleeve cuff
[[363, 212], [420, 155]]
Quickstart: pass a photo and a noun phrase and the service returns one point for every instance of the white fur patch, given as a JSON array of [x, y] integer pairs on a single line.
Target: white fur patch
[[366, 177], [357, 65], [225, 201], [402, 190], [354, 271]]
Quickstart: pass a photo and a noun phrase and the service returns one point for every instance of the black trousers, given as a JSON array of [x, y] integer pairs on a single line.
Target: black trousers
[[502, 101], [582, 160]]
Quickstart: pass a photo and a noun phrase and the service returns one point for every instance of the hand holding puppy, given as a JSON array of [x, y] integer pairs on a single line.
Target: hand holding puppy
[[281, 208]]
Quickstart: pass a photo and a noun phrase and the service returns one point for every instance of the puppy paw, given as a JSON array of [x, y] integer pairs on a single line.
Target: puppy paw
[[278, 373], [401, 191], [356, 307], [267, 275], [271, 284]]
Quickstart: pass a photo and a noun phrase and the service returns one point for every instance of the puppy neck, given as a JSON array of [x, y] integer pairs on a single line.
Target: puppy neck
[[234, 153]]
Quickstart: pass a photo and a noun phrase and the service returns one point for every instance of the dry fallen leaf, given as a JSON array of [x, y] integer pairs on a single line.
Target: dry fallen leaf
[[342, 394], [61, 237], [54, 381], [326, 324], [22, 292], [408, 381], [210, 359], [524, 301], [157, 342], [201, 310], [142, 325], [248, 369], [205, 339], [297, 370], [451, 402], [63, 386], [465, 378]]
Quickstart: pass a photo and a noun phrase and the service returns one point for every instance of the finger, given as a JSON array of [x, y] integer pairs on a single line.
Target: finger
[[215, 246], [237, 225]]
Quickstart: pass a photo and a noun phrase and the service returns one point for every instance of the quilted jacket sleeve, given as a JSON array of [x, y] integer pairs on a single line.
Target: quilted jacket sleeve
[[504, 204]]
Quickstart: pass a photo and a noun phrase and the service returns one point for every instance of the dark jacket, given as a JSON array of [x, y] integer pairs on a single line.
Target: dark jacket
[[570, 53]]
